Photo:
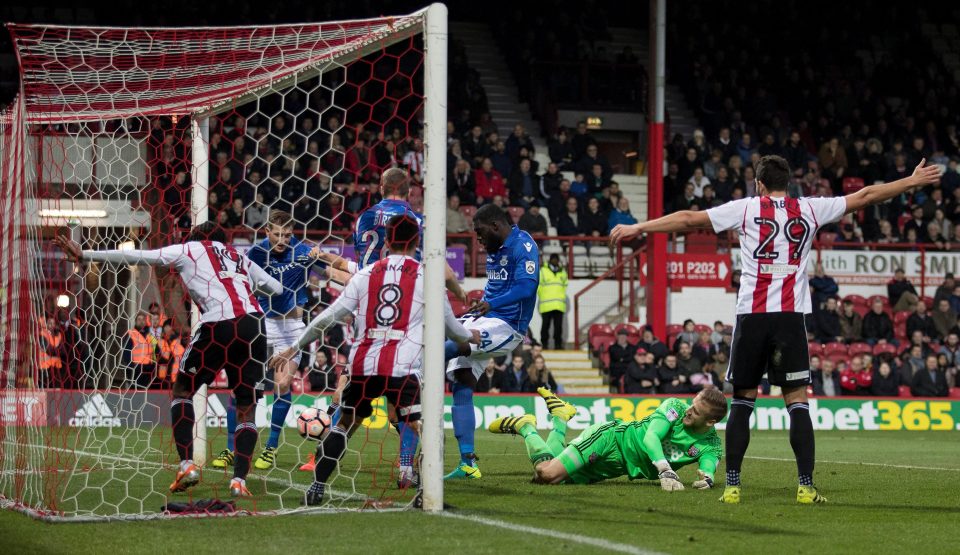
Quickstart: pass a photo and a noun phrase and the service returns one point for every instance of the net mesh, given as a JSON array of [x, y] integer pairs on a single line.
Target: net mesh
[[99, 147]]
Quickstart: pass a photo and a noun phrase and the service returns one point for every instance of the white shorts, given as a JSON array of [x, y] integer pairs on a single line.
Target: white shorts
[[497, 339], [283, 333]]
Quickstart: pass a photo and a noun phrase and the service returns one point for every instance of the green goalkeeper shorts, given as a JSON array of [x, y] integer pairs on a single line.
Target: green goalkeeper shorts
[[594, 455]]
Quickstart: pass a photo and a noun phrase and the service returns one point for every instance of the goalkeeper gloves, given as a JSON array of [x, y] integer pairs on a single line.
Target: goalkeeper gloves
[[705, 482], [669, 481]]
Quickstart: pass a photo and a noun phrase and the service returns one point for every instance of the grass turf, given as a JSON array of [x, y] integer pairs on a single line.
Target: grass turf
[[872, 507]]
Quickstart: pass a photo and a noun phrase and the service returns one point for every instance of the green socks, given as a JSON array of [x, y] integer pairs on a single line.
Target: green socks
[[557, 440], [537, 449]]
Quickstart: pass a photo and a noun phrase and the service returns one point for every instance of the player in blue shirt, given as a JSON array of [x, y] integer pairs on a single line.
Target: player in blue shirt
[[501, 316], [369, 238], [288, 260]]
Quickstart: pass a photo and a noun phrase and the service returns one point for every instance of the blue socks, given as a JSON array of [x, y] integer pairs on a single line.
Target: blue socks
[[464, 419], [231, 422], [281, 406], [408, 443]]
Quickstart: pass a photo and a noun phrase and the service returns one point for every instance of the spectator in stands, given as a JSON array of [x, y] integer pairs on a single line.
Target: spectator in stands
[[913, 362], [491, 381], [724, 143], [856, 379], [652, 345], [921, 321], [235, 213], [935, 235], [515, 379], [828, 322], [833, 162], [931, 381], [489, 183], [550, 181], [851, 323], [686, 361], [946, 226], [877, 326], [706, 377], [688, 334], [641, 374], [621, 353], [699, 181], [688, 164], [709, 199], [796, 154], [745, 147], [620, 215], [822, 287], [713, 165], [716, 336], [51, 354], [557, 203], [570, 222], [722, 184], [826, 383], [474, 145], [501, 162], [944, 318], [888, 233], [322, 375], [561, 150], [671, 377], [515, 141], [594, 220], [901, 293], [591, 157], [579, 187], [532, 221], [687, 200], [595, 180], [462, 183], [456, 221], [951, 349], [540, 376], [255, 215], [885, 383], [581, 140], [917, 224], [523, 185], [671, 185]]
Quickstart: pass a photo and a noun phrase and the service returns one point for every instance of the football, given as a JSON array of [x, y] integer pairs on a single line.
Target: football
[[313, 424]]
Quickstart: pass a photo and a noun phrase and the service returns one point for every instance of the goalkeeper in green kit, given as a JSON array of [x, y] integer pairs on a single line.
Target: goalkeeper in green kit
[[673, 436]]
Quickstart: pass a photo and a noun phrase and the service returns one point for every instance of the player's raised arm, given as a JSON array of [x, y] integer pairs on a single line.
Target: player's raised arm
[[263, 283], [678, 222], [874, 194], [134, 257]]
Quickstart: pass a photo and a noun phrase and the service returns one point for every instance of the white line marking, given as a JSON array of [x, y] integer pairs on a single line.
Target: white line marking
[[552, 534], [904, 466]]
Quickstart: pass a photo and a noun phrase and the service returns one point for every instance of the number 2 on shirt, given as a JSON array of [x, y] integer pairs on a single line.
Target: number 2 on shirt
[[372, 238]]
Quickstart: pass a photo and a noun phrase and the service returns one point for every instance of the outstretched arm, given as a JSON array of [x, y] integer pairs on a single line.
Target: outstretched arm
[[682, 221], [875, 194], [652, 446]]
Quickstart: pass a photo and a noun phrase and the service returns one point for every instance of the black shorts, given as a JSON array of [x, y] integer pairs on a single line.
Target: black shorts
[[772, 343], [402, 393], [238, 346]]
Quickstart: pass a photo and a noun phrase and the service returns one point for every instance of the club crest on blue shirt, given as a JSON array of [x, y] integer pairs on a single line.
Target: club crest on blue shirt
[[504, 261], [531, 267]]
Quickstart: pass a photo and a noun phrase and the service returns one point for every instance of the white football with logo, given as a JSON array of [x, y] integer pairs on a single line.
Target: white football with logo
[[313, 424]]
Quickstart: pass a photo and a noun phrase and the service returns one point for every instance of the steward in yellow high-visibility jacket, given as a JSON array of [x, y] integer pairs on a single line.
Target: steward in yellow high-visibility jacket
[[552, 294]]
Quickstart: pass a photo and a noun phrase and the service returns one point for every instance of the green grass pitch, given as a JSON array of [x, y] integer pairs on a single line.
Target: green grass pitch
[[888, 492]]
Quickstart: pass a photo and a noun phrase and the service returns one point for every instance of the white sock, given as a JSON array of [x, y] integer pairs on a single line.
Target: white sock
[[240, 480], [185, 464]]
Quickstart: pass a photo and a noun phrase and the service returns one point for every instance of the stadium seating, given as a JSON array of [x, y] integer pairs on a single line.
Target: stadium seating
[[884, 348], [831, 349], [858, 349], [815, 349], [852, 185], [633, 334]]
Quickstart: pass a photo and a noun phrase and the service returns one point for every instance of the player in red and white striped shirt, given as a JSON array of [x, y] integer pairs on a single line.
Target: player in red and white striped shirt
[[776, 233], [386, 299], [230, 335]]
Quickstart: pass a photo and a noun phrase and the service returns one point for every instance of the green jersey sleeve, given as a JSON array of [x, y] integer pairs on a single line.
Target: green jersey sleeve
[[659, 426]]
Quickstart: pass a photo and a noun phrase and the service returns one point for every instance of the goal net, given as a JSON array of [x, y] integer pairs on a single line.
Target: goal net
[[125, 138]]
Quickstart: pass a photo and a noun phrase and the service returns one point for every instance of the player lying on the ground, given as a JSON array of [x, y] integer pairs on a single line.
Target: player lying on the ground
[[221, 281], [675, 435], [387, 300]]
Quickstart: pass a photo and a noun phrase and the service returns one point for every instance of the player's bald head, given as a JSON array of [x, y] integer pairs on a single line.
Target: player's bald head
[[395, 182]]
